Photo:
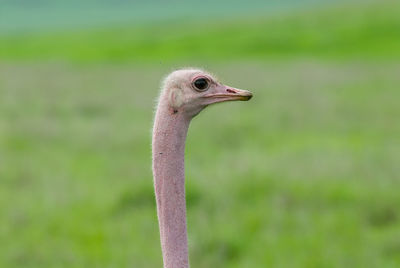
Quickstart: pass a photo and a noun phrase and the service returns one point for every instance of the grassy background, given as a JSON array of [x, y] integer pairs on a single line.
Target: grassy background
[[343, 31], [303, 175]]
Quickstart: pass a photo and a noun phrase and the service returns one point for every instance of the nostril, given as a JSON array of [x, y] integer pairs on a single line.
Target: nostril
[[231, 90]]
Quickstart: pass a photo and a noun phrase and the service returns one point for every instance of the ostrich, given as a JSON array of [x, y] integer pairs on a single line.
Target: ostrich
[[184, 94]]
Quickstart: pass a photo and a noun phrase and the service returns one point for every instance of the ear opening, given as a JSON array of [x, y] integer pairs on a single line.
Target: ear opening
[[176, 98]]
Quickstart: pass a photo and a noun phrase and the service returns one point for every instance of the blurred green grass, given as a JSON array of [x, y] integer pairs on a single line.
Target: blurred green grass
[[357, 30], [306, 174]]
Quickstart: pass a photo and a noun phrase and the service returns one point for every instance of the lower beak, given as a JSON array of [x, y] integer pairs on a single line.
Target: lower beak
[[230, 94]]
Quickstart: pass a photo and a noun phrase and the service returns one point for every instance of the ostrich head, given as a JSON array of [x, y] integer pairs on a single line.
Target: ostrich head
[[189, 91]]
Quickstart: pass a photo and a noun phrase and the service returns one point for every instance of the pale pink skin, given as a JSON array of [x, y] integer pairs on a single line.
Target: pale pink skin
[[179, 102]]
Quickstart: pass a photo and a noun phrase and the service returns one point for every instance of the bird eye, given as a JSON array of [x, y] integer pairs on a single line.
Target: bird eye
[[201, 84]]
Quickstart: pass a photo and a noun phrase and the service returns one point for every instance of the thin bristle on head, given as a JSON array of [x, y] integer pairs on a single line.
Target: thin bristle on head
[[179, 71]]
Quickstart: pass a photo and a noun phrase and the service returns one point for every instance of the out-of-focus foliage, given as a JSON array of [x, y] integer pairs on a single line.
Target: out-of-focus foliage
[[44, 15], [354, 30], [304, 175]]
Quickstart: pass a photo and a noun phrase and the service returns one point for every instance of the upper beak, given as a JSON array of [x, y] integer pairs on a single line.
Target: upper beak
[[226, 93]]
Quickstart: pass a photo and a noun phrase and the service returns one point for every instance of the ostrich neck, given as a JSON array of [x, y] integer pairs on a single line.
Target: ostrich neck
[[169, 136]]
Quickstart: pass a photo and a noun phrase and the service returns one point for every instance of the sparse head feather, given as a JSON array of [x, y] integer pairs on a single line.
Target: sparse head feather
[[177, 77]]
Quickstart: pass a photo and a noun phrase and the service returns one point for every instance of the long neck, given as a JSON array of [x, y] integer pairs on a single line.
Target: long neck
[[169, 135]]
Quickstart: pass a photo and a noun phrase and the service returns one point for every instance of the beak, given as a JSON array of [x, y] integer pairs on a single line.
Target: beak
[[227, 93]]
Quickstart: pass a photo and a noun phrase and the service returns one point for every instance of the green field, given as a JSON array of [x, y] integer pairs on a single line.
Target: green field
[[343, 32], [306, 174]]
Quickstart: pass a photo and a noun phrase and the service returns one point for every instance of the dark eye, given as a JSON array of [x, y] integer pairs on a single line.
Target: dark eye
[[201, 84]]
